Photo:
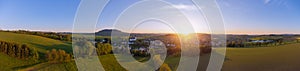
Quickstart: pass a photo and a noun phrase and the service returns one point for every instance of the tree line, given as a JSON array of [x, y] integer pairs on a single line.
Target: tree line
[[52, 35], [58, 56], [84, 48], [103, 48], [240, 43], [19, 51]]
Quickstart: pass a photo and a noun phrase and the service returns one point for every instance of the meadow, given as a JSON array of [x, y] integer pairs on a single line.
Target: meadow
[[8, 63], [273, 58], [42, 44]]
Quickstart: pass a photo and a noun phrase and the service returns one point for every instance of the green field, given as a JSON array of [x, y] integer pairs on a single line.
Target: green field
[[277, 58], [40, 43], [8, 63]]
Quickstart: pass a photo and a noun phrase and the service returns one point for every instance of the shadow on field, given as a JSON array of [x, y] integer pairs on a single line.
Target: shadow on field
[[25, 66], [67, 48], [204, 61]]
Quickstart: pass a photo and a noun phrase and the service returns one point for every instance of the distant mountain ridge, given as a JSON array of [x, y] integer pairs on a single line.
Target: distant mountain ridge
[[107, 32]]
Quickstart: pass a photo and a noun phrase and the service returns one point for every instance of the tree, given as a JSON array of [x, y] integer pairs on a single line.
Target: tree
[[89, 47], [49, 56], [26, 51], [19, 51], [55, 55], [15, 50], [62, 55], [77, 51], [68, 58], [5, 48], [84, 48], [103, 49], [68, 38], [157, 61], [165, 67], [58, 56], [35, 55]]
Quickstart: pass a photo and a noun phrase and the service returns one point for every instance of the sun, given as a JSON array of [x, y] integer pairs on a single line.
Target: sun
[[185, 33]]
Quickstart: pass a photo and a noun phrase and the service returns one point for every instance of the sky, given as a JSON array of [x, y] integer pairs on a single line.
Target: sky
[[240, 16]]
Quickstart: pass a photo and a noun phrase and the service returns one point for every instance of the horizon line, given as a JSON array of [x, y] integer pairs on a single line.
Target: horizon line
[[154, 32]]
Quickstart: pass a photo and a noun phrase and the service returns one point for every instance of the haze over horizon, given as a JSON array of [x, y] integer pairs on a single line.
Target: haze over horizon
[[240, 17]]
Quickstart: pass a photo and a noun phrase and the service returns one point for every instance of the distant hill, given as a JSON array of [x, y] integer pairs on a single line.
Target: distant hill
[[107, 32]]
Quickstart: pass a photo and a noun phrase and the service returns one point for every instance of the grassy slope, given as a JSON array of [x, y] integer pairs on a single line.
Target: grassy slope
[[71, 66], [40, 43], [279, 58], [108, 62], [8, 63]]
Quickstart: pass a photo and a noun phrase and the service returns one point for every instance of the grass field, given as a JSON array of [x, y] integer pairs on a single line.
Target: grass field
[[40, 43], [70, 66], [8, 63], [277, 58]]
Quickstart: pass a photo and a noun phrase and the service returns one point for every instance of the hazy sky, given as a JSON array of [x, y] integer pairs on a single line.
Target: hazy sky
[[240, 16]]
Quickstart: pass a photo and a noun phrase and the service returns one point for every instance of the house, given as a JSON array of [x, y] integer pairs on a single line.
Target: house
[[132, 40], [105, 40], [261, 41]]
